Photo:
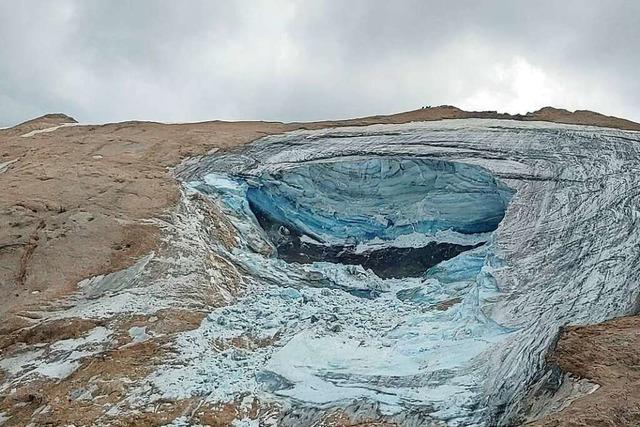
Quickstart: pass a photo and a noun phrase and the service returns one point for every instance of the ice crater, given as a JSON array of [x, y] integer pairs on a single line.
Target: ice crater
[[370, 274], [463, 342], [334, 211]]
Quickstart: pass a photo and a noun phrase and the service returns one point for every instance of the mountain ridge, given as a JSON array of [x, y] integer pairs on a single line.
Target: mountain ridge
[[441, 112]]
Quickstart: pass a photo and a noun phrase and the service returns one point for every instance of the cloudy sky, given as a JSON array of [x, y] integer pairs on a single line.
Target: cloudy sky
[[112, 60]]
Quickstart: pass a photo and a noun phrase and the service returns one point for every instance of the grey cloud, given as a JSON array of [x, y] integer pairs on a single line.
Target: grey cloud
[[300, 60]]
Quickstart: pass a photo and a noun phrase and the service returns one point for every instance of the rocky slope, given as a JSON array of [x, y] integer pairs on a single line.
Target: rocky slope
[[84, 201]]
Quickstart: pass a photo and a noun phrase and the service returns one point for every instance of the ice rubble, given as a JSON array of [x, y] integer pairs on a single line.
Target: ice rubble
[[464, 341]]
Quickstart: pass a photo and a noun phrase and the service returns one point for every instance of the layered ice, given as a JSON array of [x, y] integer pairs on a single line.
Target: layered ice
[[376, 197], [331, 211], [526, 227]]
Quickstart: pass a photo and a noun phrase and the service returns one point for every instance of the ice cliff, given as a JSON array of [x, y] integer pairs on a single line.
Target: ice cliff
[[418, 271]]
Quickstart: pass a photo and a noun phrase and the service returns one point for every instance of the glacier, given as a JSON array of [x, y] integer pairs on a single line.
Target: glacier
[[417, 272]]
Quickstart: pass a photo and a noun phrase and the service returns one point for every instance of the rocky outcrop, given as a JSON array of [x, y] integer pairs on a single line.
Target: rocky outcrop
[[606, 354]]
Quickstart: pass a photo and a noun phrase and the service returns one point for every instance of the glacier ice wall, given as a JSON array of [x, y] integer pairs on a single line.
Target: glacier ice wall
[[532, 227], [357, 211], [377, 197]]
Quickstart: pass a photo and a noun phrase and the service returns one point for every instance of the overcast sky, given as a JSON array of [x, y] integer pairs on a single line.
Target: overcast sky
[[112, 60]]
